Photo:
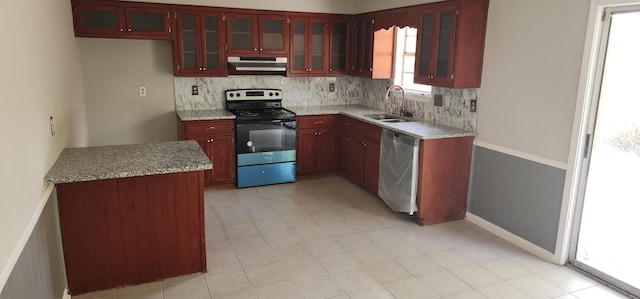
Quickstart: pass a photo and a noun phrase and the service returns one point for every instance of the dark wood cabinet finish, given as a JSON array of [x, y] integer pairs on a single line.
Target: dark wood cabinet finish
[[374, 51], [217, 140], [309, 46], [361, 152], [340, 45], [450, 45], [257, 34], [445, 166], [122, 20], [317, 144], [199, 46], [130, 231]]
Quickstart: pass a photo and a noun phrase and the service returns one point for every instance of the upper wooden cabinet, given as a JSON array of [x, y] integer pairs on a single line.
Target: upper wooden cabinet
[[374, 51], [199, 45], [122, 20], [309, 46], [339, 45], [253, 34], [450, 44]]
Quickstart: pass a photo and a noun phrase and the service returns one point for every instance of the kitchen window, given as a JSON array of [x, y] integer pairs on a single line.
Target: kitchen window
[[405, 60]]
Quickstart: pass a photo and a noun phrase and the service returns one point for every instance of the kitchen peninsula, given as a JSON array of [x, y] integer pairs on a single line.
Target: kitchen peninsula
[[130, 214]]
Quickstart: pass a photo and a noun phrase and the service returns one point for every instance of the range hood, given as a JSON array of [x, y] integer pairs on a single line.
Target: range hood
[[257, 65]]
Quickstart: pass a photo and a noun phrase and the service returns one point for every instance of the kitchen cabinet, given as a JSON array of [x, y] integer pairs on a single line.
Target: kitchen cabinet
[[317, 144], [443, 181], [122, 20], [217, 140], [339, 45], [374, 51], [309, 46], [450, 44], [257, 34], [361, 153], [199, 45]]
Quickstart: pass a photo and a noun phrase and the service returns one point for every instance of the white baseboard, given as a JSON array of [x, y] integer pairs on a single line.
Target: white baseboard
[[65, 294], [26, 234], [510, 237]]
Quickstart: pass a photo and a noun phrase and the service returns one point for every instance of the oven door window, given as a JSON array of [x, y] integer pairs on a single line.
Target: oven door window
[[269, 136]]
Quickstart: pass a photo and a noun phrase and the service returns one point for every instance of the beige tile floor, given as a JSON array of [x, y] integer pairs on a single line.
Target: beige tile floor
[[327, 238]]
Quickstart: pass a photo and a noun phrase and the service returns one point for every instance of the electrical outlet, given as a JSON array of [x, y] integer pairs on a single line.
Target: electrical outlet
[[332, 87], [194, 90], [143, 91], [473, 105], [437, 100]]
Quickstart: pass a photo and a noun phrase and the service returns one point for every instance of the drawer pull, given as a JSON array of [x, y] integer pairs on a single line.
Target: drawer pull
[[317, 122], [211, 128]]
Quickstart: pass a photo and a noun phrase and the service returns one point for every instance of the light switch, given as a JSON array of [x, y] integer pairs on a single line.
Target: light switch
[[143, 91]]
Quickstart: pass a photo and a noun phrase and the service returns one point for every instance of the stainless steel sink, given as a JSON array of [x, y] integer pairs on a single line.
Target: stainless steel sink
[[396, 120], [381, 116]]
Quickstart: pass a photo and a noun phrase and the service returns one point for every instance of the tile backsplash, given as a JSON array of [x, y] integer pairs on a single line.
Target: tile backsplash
[[314, 91], [296, 91]]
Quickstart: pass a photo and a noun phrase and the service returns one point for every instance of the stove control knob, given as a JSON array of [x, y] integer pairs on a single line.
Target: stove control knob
[[277, 94], [238, 94], [271, 94], [231, 95]]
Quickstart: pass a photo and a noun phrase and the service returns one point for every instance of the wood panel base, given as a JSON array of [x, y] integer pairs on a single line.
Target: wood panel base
[[131, 231]]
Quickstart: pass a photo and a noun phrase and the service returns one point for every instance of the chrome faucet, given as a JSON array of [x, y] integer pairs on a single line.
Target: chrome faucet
[[403, 111]]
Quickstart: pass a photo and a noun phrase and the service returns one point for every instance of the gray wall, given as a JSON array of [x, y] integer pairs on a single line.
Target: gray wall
[[519, 195], [40, 272]]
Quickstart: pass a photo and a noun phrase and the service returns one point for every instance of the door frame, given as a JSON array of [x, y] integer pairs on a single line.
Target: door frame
[[586, 106]]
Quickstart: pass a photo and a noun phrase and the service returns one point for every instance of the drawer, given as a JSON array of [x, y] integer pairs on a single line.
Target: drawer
[[199, 127], [373, 133], [353, 126], [317, 121]]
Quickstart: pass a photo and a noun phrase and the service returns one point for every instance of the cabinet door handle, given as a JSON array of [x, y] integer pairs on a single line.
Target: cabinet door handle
[[317, 122], [211, 128]]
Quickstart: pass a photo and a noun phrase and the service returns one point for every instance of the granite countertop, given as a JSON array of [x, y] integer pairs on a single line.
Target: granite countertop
[[187, 115], [121, 161], [418, 128]]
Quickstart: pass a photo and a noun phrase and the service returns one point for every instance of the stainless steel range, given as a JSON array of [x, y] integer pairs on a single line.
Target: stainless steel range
[[265, 137]]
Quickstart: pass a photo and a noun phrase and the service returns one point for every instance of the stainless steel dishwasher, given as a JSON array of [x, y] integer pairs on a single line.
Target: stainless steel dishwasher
[[398, 180]]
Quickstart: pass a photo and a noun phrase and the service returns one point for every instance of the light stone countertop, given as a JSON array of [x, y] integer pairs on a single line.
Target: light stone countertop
[[419, 128], [187, 115], [122, 161]]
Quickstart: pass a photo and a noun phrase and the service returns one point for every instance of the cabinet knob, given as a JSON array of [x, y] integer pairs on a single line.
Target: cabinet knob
[[204, 68], [331, 70], [319, 133], [129, 29], [261, 49], [211, 128], [317, 122], [255, 50], [121, 30], [348, 138], [316, 133]]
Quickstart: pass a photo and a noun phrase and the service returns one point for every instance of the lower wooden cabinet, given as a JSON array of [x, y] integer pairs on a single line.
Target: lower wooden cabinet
[[129, 231], [317, 145], [217, 140], [443, 181], [361, 152]]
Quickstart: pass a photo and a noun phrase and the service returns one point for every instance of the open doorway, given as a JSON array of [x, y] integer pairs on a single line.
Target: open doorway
[[607, 243]]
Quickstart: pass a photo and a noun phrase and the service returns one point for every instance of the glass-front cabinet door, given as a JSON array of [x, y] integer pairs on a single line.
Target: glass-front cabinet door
[[99, 20], [242, 34], [435, 46], [273, 34], [339, 46], [310, 42], [200, 42], [148, 23]]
